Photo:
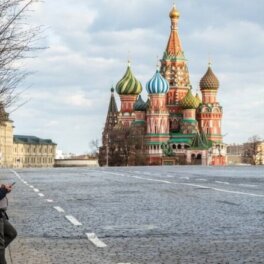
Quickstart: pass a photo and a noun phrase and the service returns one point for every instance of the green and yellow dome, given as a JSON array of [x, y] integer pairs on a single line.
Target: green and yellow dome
[[128, 85], [189, 101], [209, 80]]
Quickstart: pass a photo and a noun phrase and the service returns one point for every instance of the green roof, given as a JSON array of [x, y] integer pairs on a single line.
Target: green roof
[[180, 135], [157, 135], [154, 143], [32, 140], [180, 140], [139, 122], [189, 121]]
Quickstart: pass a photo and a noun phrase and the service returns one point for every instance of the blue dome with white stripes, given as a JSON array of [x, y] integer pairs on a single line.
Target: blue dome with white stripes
[[158, 84]]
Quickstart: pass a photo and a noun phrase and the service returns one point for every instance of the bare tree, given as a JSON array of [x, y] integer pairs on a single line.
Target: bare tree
[[251, 149], [17, 41], [94, 144]]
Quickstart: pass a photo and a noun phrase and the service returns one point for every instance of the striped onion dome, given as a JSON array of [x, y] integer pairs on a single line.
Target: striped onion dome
[[157, 84], [198, 98], [189, 101], [128, 85], [140, 105], [209, 80]]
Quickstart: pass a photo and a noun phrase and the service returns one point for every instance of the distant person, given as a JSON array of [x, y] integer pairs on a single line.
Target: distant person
[[7, 231]]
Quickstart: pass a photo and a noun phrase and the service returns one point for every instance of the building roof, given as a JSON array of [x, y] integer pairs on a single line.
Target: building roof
[[128, 85], [209, 81], [140, 105], [112, 104], [174, 47], [189, 101], [157, 84], [32, 140]]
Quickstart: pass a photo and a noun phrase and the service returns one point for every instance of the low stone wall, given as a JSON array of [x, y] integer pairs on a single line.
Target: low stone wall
[[76, 163], [234, 159]]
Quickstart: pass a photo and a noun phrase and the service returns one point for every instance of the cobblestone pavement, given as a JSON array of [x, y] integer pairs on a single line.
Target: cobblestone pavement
[[137, 215]]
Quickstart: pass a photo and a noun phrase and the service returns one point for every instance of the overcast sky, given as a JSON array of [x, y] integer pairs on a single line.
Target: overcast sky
[[88, 44]]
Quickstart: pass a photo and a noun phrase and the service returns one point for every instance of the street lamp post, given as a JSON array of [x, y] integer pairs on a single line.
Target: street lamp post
[[107, 149]]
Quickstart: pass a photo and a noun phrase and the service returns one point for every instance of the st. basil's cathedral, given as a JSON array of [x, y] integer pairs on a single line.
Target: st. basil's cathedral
[[174, 125]]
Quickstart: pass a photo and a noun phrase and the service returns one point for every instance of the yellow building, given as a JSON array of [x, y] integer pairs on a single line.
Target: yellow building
[[30, 151], [6, 139], [23, 151], [260, 154]]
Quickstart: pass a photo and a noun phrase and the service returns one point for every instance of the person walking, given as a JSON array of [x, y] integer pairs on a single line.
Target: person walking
[[7, 232]]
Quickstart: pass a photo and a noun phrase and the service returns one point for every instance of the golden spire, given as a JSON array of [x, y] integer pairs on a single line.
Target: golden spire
[[158, 64], [174, 13]]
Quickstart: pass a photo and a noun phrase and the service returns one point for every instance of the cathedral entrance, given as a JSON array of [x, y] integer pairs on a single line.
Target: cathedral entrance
[[196, 159]]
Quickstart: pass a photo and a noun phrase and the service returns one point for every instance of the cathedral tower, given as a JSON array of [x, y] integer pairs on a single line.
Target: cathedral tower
[[128, 89], [209, 113], [111, 118], [189, 104], [174, 65], [157, 117]]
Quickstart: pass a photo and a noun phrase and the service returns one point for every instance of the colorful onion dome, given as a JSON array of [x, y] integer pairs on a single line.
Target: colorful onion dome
[[189, 101], [140, 105], [128, 85], [157, 84], [174, 13], [209, 80], [199, 100]]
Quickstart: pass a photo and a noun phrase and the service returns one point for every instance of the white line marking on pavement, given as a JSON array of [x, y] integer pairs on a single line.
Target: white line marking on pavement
[[227, 183], [31, 186], [201, 180], [73, 220], [25, 182], [18, 176], [95, 240], [248, 185], [49, 201], [41, 194], [59, 209], [186, 178], [142, 178], [36, 190], [194, 185]]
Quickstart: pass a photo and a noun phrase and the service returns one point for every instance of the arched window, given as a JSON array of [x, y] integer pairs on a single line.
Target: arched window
[[179, 146]]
